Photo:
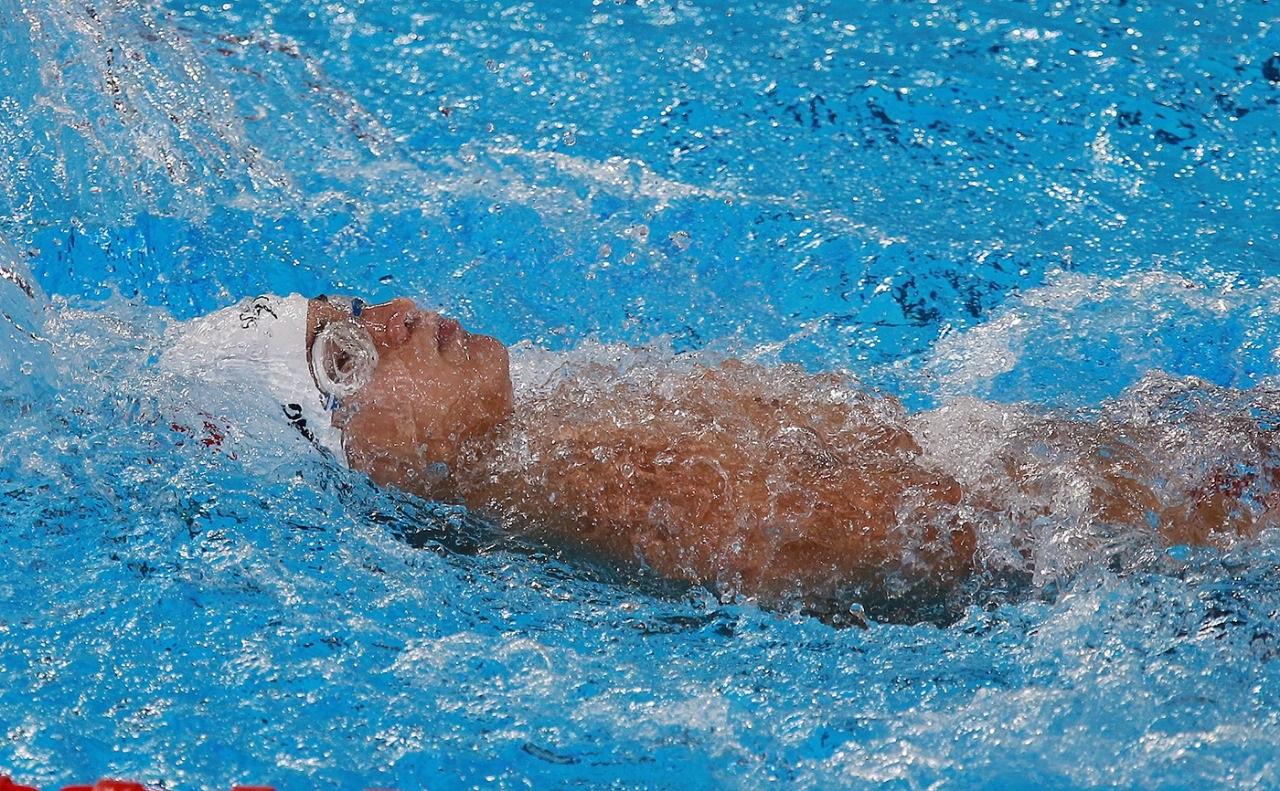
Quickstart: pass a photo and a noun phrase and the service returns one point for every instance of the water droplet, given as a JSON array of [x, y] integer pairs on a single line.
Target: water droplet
[[639, 233]]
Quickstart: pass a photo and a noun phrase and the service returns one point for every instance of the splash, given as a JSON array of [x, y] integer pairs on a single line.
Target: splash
[[1083, 338], [801, 183]]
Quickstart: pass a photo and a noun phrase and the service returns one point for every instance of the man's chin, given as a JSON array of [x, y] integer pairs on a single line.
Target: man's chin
[[490, 346]]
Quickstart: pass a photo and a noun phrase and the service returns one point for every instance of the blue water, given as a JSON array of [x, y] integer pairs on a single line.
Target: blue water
[[1037, 203]]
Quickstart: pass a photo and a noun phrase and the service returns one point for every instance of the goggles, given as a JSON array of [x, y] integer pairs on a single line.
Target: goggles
[[342, 355]]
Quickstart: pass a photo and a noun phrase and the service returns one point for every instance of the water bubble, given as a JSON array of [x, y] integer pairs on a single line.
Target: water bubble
[[639, 233]]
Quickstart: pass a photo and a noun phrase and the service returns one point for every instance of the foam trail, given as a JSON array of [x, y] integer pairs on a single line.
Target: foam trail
[[1084, 338]]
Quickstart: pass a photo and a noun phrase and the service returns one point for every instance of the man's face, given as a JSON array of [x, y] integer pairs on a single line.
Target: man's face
[[435, 387]]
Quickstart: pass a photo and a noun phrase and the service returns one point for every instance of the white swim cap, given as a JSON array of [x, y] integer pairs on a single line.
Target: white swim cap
[[260, 341]]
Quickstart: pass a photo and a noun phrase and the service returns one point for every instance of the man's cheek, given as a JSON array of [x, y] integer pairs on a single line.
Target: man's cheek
[[397, 381]]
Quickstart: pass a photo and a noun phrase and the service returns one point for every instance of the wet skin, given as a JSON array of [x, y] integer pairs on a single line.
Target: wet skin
[[704, 485], [442, 396], [436, 388]]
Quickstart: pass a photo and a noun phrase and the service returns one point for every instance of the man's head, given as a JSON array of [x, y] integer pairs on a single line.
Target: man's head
[[435, 388]]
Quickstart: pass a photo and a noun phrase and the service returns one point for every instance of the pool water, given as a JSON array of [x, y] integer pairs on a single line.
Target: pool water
[[1036, 204]]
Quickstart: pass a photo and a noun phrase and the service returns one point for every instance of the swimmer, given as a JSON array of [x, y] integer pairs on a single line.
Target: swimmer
[[790, 489]]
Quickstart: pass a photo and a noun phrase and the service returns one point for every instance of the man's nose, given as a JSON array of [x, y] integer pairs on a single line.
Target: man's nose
[[391, 323]]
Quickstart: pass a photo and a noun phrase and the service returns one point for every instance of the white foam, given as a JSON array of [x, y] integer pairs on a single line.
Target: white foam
[[1055, 335]]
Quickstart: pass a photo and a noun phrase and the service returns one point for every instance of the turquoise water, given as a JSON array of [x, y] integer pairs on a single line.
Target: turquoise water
[[1033, 203]]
